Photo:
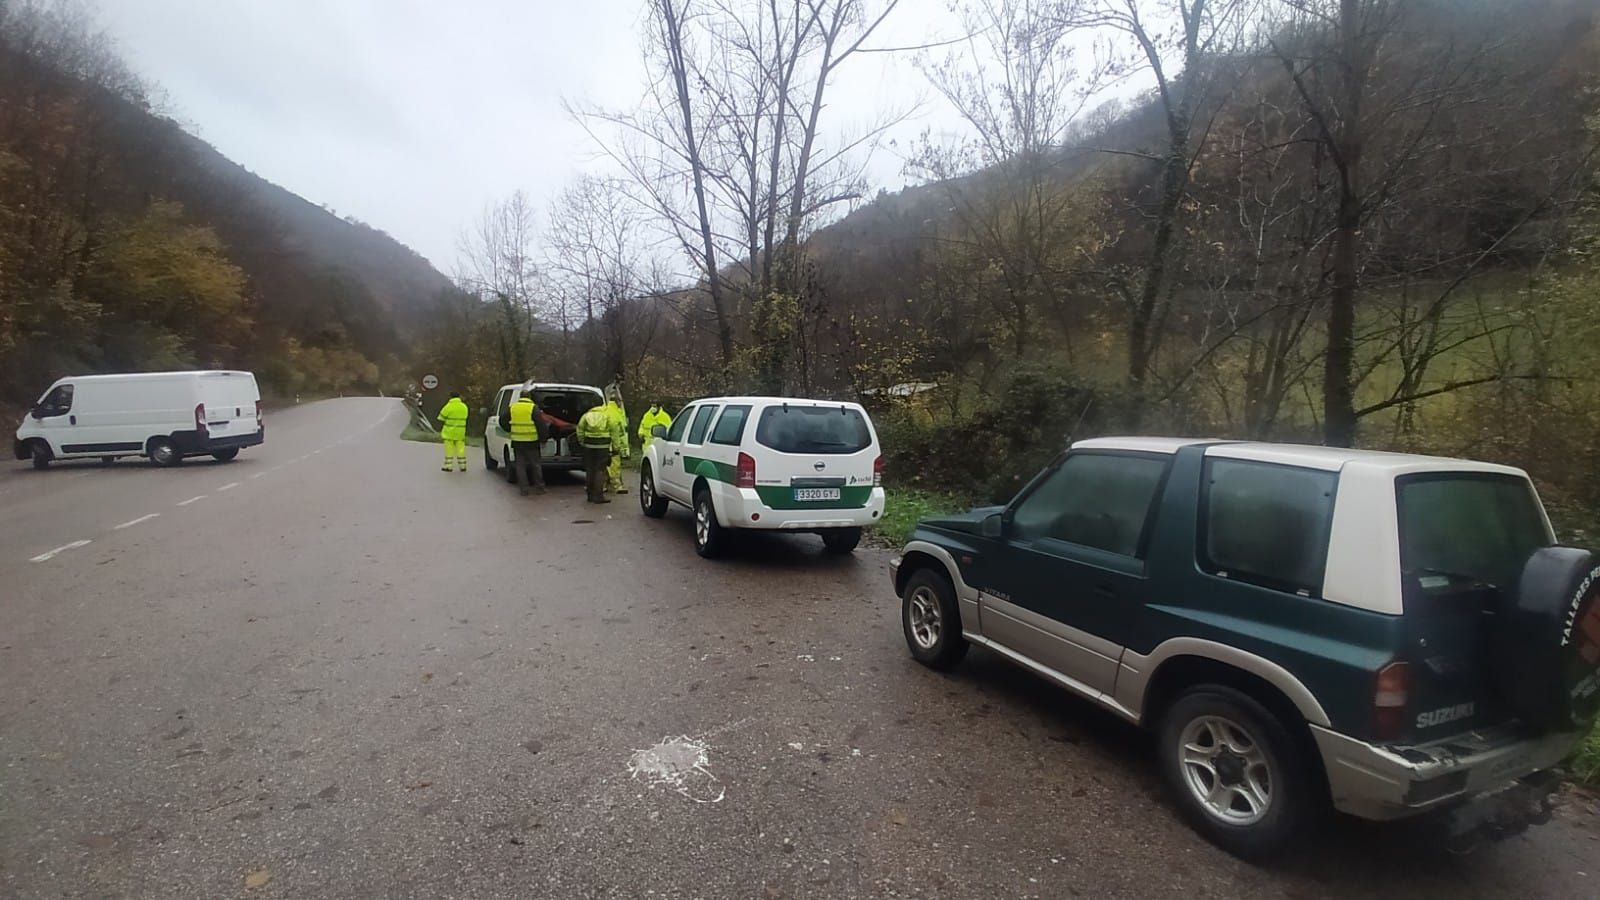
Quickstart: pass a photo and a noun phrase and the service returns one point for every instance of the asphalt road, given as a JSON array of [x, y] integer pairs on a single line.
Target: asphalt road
[[343, 673]]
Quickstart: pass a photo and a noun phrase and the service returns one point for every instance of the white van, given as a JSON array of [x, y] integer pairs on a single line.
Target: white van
[[163, 415], [559, 406], [775, 463]]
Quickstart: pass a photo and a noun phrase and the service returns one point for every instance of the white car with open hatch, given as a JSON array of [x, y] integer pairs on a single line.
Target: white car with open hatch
[[774, 463]]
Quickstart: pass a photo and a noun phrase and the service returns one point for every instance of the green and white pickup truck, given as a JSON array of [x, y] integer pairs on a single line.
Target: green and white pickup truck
[[1396, 634]]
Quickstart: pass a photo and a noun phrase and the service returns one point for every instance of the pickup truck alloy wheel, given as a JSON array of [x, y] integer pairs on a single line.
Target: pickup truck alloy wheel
[[1226, 770], [923, 617]]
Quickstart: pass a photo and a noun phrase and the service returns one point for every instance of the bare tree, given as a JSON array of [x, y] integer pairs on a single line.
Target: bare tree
[[497, 264]]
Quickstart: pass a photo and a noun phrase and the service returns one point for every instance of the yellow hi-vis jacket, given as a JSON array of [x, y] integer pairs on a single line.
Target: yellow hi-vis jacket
[[655, 416], [599, 428], [453, 420], [523, 427]]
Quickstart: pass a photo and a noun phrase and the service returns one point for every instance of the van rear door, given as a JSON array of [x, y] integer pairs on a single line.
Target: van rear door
[[814, 456], [231, 402]]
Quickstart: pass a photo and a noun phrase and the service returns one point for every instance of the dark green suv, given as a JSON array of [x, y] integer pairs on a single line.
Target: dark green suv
[[1397, 634]]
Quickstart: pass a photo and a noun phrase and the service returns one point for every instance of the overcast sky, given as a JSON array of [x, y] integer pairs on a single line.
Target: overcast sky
[[411, 115]]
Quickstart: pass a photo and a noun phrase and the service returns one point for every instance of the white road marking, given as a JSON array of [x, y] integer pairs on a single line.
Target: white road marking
[[61, 549], [133, 522], [257, 475], [192, 500], [228, 487]]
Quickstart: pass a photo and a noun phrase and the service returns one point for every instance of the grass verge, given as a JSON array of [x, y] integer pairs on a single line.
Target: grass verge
[[904, 507], [415, 432], [1585, 765]]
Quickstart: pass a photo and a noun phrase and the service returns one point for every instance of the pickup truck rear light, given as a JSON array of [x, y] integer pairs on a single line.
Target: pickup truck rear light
[[877, 472], [747, 471], [1389, 701], [200, 420]]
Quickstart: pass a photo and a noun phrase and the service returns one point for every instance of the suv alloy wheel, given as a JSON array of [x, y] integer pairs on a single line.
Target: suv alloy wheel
[[1234, 770]]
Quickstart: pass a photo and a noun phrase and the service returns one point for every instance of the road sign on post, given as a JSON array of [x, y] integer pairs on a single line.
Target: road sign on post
[[430, 381]]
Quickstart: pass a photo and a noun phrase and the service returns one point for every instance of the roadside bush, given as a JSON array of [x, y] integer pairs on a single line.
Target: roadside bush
[[991, 448]]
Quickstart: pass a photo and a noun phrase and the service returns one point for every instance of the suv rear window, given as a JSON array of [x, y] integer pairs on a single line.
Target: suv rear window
[[1267, 524], [1467, 527], [813, 429]]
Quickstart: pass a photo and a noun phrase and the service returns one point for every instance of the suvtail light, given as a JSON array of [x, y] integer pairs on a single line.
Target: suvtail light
[[747, 471], [877, 472], [200, 419], [1389, 701]]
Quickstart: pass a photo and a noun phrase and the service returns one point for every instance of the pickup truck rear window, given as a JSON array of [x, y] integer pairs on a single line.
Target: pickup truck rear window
[[1267, 524], [813, 429], [1459, 527]]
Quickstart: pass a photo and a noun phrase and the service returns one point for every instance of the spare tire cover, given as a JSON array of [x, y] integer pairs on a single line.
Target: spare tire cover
[[1547, 644]]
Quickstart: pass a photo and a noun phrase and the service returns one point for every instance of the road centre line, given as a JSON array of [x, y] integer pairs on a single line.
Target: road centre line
[[228, 487], [61, 549], [133, 522], [192, 500], [257, 475]]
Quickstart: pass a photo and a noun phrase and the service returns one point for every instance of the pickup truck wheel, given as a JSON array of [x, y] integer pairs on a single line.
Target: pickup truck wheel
[[841, 540], [1233, 769], [653, 504], [163, 452], [708, 536], [932, 621]]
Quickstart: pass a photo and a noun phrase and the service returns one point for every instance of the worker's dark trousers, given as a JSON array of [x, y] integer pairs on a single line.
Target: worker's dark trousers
[[525, 463], [595, 460]]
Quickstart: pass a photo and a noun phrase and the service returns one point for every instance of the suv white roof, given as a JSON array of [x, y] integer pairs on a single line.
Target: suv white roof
[[1308, 456]]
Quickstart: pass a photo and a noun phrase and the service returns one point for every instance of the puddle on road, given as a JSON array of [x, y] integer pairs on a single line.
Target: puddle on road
[[680, 764]]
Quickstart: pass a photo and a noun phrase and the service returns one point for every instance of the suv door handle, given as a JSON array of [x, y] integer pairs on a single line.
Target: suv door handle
[[1106, 591]]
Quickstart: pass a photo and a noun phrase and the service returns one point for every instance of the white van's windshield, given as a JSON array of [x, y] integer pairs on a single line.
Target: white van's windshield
[[813, 429]]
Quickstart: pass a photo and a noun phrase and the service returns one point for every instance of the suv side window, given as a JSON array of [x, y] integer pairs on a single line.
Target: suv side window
[[502, 407], [1099, 500], [679, 424], [730, 428], [702, 422], [1266, 524]]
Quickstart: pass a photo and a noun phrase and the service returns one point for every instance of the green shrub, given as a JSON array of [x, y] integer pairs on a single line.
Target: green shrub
[[904, 507], [1585, 766]]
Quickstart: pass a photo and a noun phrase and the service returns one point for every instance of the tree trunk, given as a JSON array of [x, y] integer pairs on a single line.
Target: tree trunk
[[1338, 395], [673, 33]]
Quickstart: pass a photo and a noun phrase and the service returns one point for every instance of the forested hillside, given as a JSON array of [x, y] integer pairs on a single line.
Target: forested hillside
[[128, 244], [1359, 222]]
